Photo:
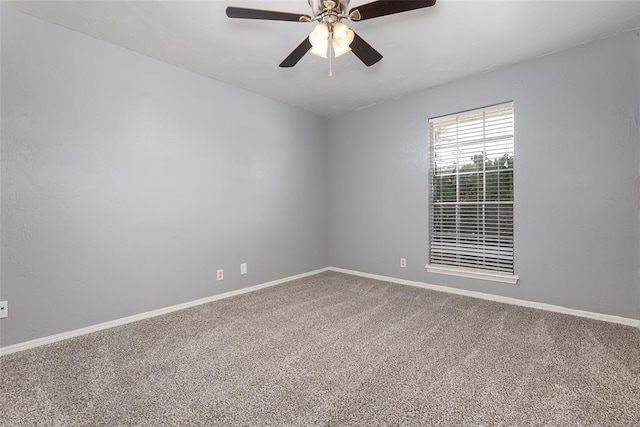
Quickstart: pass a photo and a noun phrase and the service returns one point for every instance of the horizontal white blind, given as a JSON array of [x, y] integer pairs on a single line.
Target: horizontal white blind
[[471, 215]]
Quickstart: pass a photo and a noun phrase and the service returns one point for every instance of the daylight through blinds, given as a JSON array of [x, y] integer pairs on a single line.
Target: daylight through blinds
[[471, 215]]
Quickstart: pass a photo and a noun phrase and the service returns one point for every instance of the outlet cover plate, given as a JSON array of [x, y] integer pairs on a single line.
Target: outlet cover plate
[[4, 309]]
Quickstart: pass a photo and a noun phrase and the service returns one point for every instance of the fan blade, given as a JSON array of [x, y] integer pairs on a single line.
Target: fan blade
[[271, 15], [389, 7], [364, 51], [297, 54]]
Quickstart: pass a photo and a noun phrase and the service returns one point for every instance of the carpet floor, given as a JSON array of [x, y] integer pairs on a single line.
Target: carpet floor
[[333, 349]]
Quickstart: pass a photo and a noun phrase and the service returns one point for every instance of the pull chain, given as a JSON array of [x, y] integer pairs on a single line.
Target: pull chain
[[330, 54]]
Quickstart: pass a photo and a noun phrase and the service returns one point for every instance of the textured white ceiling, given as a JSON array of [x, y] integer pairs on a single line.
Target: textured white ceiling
[[424, 48]]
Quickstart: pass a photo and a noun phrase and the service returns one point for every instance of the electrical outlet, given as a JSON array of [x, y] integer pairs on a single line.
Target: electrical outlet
[[4, 309], [403, 262], [243, 268], [220, 275]]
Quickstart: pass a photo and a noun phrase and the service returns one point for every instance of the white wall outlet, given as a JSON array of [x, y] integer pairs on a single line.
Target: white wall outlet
[[243, 268], [403, 262], [4, 309], [220, 275]]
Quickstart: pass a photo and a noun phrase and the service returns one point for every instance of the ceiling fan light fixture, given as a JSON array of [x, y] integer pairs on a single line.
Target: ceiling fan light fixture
[[320, 50], [342, 35], [319, 39], [339, 50]]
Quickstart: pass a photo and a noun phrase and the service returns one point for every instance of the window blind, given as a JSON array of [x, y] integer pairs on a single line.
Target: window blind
[[471, 215]]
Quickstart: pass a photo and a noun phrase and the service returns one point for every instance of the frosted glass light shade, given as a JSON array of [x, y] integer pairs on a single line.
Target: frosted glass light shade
[[342, 35], [320, 50], [319, 40], [339, 50]]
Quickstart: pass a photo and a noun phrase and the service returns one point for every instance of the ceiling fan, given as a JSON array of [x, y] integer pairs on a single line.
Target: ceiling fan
[[330, 34]]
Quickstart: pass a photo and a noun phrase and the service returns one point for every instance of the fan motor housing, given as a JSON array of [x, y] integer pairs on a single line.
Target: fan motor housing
[[319, 6]]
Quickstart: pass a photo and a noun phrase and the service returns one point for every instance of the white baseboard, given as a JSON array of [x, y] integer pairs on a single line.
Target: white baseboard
[[124, 320], [497, 298]]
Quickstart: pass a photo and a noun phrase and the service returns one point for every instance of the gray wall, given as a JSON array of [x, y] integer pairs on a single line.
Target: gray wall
[[576, 159], [127, 182], [637, 54]]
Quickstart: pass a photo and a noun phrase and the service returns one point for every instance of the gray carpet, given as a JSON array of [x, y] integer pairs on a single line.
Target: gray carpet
[[334, 349]]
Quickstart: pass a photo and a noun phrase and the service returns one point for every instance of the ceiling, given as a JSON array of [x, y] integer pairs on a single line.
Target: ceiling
[[423, 48]]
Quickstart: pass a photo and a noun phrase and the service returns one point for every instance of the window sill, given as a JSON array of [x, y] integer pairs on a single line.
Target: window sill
[[472, 274]]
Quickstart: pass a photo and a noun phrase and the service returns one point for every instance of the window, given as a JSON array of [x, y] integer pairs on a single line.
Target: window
[[471, 209]]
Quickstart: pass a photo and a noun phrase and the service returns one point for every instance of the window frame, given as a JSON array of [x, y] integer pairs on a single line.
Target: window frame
[[457, 270]]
